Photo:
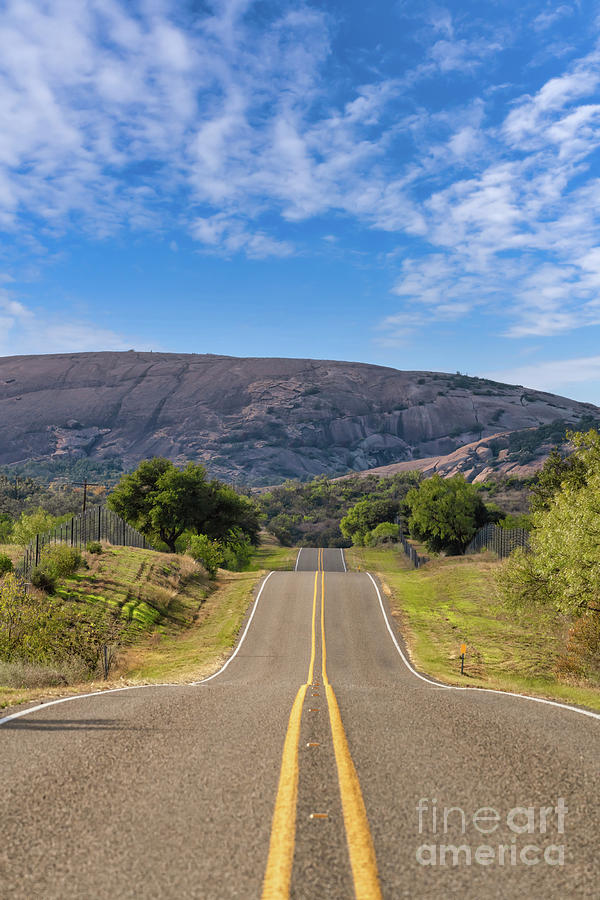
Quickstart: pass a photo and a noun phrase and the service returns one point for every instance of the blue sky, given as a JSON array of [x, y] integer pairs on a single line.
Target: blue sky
[[412, 184]]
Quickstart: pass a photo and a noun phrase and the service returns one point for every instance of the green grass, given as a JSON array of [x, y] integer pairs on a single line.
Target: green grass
[[150, 589], [452, 600], [200, 649], [186, 624], [271, 556]]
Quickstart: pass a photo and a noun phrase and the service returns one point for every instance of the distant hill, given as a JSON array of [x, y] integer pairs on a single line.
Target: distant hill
[[260, 421]]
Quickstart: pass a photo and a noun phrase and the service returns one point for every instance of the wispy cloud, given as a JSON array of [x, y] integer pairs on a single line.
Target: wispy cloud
[[23, 331], [550, 16], [548, 376], [520, 235], [235, 124]]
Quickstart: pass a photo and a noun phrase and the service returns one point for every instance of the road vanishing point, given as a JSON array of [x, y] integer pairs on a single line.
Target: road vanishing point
[[315, 764]]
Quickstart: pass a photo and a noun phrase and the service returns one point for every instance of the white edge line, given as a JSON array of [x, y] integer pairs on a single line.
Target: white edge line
[[343, 560], [241, 640], [137, 687], [298, 559], [454, 687]]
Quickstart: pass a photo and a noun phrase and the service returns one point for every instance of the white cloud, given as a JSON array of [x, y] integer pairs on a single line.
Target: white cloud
[[520, 236], [23, 332], [552, 375], [462, 55], [552, 15], [229, 235], [132, 115]]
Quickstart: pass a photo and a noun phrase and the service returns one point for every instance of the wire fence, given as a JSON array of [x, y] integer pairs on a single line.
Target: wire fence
[[97, 524], [416, 559], [501, 540]]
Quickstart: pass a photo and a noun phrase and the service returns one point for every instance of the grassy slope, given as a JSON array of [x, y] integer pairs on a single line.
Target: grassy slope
[[187, 625], [453, 600], [14, 551]]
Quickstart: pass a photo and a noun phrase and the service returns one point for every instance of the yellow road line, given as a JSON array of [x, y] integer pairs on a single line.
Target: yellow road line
[[278, 874], [358, 834], [313, 645]]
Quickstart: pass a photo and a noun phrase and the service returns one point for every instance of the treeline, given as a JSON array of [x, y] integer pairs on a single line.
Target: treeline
[[309, 514], [326, 513]]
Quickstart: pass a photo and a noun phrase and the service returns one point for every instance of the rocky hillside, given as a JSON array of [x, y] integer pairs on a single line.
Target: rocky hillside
[[256, 421]]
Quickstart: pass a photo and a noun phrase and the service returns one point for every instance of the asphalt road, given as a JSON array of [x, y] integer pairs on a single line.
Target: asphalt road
[[301, 773]]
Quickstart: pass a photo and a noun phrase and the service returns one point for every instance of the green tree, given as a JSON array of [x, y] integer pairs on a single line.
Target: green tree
[[364, 516], [228, 511], [556, 471], [163, 501], [6, 527], [562, 569], [445, 513], [30, 524]]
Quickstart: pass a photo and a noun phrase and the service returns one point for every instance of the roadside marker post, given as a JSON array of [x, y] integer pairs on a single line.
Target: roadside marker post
[[463, 650]]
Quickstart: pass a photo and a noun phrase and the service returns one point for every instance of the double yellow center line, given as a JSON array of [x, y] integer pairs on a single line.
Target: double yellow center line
[[320, 566], [278, 875]]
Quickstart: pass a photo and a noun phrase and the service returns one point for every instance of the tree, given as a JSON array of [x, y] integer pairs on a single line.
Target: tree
[[562, 569], [445, 513], [556, 471], [163, 501], [364, 516], [226, 510], [30, 524]]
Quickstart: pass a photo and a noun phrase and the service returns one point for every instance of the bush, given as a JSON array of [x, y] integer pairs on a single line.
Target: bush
[[364, 516], [5, 564], [207, 552], [43, 580], [50, 632], [6, 527], [94, 547], [60, 560], [385, 533], [237, 552], [581, 658]]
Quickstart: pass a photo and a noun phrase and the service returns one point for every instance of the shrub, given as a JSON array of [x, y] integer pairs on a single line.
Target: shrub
[[94, 547], [208, 553], [385, 532], [60, 560], [6, 527], [364, 516], [43, 580], [581, 658], [5, 564]]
